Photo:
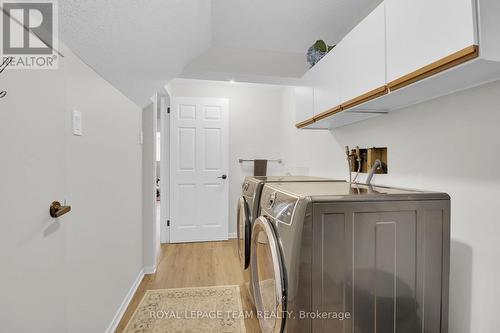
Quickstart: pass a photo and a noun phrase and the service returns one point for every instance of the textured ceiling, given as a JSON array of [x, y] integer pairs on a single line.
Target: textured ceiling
[[139, 46]]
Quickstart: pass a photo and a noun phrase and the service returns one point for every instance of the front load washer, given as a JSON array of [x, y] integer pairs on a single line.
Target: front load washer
[[335, 257], [249, 207], [249, 210]]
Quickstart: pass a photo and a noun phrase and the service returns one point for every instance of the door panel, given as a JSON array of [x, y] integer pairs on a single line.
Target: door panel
[[186, 195], [361, 57], [304, 103], [32, 175], [329, 246], [213, 152], [326, 83], [200, 155], [187, 149], [384, 284], [417, 34], [304, 96], [384, 263]]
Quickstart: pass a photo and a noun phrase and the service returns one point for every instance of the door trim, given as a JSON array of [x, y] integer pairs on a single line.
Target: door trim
[[165, 169]]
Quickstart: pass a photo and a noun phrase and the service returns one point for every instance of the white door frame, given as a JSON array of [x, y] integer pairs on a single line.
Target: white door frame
[[165, 168], [224, 169], [154, 228], [151, 244]]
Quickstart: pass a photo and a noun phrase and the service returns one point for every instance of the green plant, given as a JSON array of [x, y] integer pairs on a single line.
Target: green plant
[[321, 46]]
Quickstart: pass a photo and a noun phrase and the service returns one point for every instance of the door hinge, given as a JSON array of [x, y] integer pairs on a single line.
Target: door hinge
[[168, 110], [168, 223]]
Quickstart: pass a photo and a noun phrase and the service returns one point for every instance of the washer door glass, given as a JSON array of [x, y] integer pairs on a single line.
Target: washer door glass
[[267, 277], [243, 229]]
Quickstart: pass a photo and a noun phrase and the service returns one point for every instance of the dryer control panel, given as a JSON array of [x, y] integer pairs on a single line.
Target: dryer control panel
[[277, 205]]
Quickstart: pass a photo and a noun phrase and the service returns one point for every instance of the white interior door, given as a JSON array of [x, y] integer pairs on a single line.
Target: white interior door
[[199, 164]]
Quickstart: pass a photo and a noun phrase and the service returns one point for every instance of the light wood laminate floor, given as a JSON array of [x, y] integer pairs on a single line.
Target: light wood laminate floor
[[195, 265]]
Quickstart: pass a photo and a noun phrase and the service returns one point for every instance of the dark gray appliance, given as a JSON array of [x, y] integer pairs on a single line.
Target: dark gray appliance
[[249, 209], [368, 259]]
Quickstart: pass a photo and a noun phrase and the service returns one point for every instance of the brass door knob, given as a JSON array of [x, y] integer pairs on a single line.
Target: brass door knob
[[56, 210]]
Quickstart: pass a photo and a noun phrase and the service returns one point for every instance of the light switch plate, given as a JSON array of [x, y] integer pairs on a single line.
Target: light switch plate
[[77, 123]]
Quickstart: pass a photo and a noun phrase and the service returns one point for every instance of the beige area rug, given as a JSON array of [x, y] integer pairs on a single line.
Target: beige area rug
[[189, 310]]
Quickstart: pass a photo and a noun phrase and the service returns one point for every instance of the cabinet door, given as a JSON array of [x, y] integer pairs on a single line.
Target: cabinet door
[[420, 32], [361, 57], [304, 98], [385, 263], [304, 103], [325, 78]]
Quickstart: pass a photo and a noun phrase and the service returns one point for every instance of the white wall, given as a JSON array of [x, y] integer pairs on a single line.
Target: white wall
[[104, 235], [449, 144], [100, 240]]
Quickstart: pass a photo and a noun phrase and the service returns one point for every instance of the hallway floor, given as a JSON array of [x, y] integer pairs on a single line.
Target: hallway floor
[[195, 265]]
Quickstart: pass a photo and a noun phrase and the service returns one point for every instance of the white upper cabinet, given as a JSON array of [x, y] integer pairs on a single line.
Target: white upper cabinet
[[361, 57], [489, 29], [304, 103], [319, 92], [304, 99], [403, 53], [421, 32], [326, 82]]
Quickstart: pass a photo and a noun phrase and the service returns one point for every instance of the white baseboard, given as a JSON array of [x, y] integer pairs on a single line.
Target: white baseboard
[[149, 270], [232, 235], [123, 307]]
